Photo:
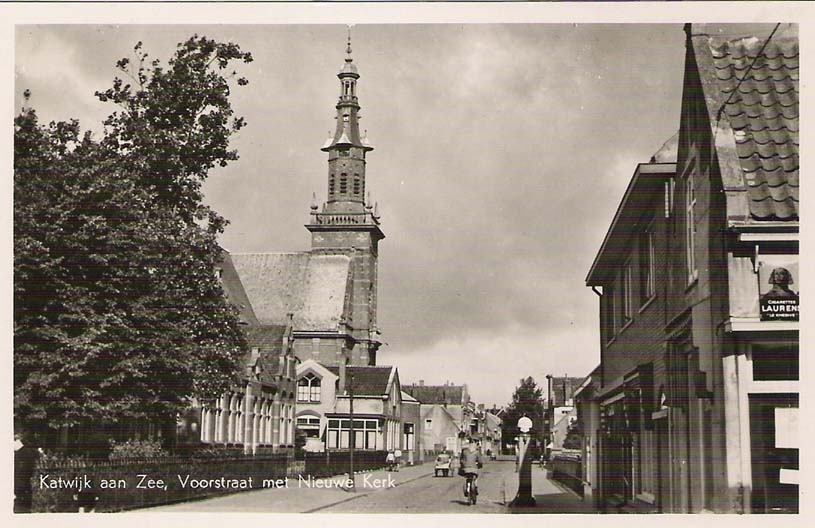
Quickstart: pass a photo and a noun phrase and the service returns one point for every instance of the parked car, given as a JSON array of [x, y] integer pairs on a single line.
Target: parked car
[[443, 464]]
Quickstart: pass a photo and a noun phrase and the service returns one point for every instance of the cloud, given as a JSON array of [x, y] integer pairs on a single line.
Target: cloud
[[501, 154]]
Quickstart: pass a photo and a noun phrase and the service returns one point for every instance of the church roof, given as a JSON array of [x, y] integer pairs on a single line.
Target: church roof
[[233, 288], [310, 286], [750, 86], [368, 381], [436, 394]]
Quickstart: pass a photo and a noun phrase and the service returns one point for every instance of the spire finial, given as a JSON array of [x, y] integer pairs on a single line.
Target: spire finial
[[348, 49]]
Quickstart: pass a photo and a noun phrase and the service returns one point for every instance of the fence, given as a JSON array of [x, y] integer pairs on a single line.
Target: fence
[[328, 463], [568, 471], [61, 486]]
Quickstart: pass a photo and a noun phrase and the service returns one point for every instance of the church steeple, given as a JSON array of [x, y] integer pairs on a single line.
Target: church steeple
[[347, 147], [347, 224]]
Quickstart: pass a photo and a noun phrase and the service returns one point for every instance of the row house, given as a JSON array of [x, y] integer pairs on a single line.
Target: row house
[[695, 400], [324, 414]]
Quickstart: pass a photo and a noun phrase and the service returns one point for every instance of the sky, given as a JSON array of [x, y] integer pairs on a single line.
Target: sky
[[501, 154]]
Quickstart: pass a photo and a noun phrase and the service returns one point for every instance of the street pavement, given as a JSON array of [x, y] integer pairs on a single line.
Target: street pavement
[[410, 490]]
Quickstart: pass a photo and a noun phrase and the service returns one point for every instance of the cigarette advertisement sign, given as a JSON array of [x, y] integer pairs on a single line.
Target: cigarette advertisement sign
[[778, 287]]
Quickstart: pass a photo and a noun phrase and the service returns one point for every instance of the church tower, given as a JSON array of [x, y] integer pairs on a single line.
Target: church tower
[[347, 223]]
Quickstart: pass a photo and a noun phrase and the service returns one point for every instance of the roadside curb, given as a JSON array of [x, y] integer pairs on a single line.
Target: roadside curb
[[359, 496]]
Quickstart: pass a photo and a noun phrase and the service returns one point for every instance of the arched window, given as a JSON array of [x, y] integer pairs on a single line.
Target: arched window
[[357, 185], [343, 183], [308, 389], [331, 185]]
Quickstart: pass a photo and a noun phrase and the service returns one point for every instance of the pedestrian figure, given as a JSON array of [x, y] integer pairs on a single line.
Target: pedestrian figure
[[397, 458], [25, 461], [390, 460]]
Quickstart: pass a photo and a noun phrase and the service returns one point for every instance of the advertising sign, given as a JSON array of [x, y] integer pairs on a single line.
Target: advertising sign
[[778, 287]]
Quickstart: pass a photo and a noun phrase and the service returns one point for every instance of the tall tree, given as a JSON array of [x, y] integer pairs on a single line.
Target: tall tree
[[527, 400], [119, 316]]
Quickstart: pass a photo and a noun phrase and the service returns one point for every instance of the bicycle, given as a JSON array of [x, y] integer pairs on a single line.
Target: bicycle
[[471, 488]]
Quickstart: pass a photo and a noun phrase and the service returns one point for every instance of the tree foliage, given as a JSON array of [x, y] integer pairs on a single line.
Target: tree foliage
[[527, 400], [118, 313]]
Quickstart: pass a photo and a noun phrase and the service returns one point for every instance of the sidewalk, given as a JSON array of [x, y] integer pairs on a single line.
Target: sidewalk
[[302, 495], [550, 496]]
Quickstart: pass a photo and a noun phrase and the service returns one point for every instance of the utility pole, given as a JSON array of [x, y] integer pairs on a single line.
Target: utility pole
[[351, 441]]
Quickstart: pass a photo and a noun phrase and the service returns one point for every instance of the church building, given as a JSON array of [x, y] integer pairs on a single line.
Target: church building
[[322, 303], [331, 289]]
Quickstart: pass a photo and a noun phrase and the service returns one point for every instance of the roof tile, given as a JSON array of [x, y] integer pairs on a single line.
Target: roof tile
[[759, 88]]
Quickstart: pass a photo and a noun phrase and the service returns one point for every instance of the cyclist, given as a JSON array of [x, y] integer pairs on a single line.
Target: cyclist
[[470, 462]]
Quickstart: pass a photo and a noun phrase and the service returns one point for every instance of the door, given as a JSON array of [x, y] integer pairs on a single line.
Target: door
[[663, 464], [774, 452]]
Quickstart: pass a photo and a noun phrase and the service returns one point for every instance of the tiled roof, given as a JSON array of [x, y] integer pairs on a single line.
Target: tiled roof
[[234, 289], [268, 339], [752, 93], [436, 394], [312, 287], [368, 381]]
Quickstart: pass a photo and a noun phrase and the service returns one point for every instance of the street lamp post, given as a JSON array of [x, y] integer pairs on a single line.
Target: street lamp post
[[351, 433], [524, 497]]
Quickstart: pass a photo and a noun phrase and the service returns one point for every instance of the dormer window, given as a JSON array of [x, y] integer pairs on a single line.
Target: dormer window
[[309, 389], [344, 153]]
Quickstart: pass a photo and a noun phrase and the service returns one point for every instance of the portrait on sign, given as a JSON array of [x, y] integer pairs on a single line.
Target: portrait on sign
[[778, 287]]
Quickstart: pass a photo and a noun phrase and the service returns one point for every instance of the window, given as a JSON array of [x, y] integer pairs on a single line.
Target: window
[[669, 197], [331, 185], [308, 389], [774, 362], [310, 426], [428, 425], [646, 254], [365, 433], [608, 313], [625, 295], [690, 229], [343, 183], [357, 185]]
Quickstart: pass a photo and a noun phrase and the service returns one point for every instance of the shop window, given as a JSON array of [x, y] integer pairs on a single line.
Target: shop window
[[777, 362], [365, 433]]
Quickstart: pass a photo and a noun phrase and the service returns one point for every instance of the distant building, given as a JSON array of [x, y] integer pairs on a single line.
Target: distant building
[[559, 403], [446, 412]]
